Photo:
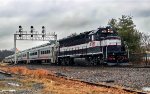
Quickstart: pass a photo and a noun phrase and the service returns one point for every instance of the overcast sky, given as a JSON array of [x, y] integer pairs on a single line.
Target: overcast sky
[[66, 16]]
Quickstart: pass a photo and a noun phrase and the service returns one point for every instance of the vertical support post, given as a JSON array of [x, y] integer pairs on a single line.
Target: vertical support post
[[55, 39], [146, 59], [15, 48], [128, 53], [106, 51]]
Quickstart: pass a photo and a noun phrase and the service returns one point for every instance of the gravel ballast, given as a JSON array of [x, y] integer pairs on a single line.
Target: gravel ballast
[[128, 77]]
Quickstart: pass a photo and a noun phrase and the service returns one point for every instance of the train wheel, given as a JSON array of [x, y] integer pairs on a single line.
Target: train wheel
[[63, 62], [59, 61], [92, 61], [71, 62], [89, 61], [67, 61]]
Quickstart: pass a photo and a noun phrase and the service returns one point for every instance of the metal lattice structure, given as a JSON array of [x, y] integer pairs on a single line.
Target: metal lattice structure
[[33, 35]]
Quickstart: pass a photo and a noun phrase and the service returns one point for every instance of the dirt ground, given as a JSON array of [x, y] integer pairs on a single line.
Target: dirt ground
[[41, 81]]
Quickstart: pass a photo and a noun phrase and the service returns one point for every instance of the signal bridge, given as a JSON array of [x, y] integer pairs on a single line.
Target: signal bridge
[[33, 35]]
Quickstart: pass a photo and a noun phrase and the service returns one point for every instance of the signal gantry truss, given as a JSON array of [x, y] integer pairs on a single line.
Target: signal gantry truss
[[33, 35]]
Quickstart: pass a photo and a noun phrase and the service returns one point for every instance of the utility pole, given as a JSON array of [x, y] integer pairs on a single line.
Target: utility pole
[[33, 35]]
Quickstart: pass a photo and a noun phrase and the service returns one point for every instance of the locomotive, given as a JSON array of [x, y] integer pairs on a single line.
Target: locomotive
[[95, 47]]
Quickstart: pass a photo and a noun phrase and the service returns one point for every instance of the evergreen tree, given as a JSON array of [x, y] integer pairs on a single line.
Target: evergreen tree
[[126, 29]]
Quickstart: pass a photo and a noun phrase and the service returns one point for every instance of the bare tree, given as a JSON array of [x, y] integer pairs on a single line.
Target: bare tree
[[145, 41]]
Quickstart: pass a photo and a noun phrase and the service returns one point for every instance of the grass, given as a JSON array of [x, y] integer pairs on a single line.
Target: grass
[[3, 64], [59, 85], [40, 73]]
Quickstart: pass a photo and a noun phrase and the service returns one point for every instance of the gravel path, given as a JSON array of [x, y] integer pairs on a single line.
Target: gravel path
[[136, 78]]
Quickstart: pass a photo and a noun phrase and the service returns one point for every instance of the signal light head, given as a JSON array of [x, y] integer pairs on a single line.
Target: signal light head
[[43, 27], [31, 26], [20, 26]]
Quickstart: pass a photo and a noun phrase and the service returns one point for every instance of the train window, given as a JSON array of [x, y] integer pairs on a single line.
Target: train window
[[24, 55], [92, 37], [42, 52], [48, 51]]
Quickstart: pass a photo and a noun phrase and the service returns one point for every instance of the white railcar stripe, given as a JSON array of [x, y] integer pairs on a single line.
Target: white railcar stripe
[[90, 44]]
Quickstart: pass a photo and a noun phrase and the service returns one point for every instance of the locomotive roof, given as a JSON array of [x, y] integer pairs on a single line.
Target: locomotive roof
[[86, 33]]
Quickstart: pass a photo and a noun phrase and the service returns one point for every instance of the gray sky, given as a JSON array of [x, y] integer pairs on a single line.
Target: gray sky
[[66, 16]]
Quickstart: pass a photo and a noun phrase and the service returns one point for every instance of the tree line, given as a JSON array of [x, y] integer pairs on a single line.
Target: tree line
[[5, 53]]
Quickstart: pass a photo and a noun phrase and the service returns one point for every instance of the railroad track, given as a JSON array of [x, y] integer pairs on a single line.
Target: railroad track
[[110, 86]]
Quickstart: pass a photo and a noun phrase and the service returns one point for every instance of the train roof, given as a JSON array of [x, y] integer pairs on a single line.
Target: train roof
[[86, 32]]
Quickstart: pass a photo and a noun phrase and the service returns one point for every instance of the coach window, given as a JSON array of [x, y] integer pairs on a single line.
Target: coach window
[[48, 51]]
